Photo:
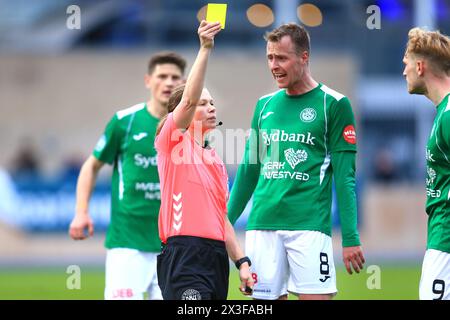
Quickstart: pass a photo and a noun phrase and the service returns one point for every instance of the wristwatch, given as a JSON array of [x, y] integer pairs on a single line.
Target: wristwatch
[[239, 262]]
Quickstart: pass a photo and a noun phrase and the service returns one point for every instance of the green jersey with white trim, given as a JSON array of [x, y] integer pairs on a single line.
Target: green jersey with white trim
[[128, 144], [292, 140], [438, 180]]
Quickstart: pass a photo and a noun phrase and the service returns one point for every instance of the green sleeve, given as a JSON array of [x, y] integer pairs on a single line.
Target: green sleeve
[[343, 164], [247, 174], [342, 132], [108, 146], [445, 129]]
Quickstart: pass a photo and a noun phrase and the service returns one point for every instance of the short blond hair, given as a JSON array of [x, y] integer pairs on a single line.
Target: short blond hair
[[432, 45]]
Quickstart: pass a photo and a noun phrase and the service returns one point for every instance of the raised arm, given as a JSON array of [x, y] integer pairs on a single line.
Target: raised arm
[[184, 112]]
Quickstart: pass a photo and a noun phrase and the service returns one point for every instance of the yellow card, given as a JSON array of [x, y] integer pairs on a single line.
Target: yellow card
[[217, 12]]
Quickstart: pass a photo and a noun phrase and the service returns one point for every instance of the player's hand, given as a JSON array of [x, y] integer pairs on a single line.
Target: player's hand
[[207, 32], [247, 282], [79, 224], [353, 257]]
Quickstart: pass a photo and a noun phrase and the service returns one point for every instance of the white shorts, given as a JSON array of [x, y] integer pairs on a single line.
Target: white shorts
[[300, 262], [435, 279], [131, 275]]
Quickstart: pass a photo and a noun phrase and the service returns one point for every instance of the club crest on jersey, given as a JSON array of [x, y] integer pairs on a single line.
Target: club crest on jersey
[[295, 157], [191, 294], [349, 134], [308, 115]]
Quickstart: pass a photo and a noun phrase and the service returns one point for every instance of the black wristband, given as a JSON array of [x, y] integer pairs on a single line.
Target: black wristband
[[239, 262]]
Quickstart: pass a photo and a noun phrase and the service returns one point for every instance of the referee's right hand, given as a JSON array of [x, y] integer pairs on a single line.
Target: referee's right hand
[[79, 224]]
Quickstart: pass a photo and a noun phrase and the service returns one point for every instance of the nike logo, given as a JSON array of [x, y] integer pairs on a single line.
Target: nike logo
[[267, 115], [325, 279], [140, 136]]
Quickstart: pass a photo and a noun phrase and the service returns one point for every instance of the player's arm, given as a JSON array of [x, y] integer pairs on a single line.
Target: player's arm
[[106, 151], [184, 112], [342, 137], [85, 185], [445, 132], [247, 174], [343, 164], [235, 253]]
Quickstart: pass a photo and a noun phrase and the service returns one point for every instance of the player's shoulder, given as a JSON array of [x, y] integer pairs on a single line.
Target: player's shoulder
[[122, 114], [269, 96], [337, 96], [447, 108]]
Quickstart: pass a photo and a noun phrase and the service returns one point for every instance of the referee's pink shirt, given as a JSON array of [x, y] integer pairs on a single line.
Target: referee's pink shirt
[[194, 186]]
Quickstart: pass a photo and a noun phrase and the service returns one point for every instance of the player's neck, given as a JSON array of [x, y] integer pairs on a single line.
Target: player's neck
[[306, 84], [438, 90], [156, 109]]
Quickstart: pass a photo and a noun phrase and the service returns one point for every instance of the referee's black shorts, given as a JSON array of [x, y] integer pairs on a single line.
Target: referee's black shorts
[[193, 268]]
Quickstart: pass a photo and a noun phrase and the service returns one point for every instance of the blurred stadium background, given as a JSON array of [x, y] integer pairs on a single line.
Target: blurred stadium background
[[59, 87]]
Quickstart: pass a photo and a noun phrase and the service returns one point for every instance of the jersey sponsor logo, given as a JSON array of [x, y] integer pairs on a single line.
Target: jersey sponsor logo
[[147, 186], [295, 157], [429, 156], [431, 176], [324, 279], [264, 117], [191, 294], [144, 162], [140, 136], [433, 193], [151, 190], [283, 136], [276, 170], [122, 293], [262, 289], [349, 134], [100, 144], [308, 115], [152, 196]]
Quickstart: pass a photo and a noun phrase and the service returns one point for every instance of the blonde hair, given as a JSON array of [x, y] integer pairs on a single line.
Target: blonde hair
[[174, 100], [431, 45]]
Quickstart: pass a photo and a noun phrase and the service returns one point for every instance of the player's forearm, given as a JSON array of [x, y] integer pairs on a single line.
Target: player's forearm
[[344, 164], [243, 186], [85, 185], [232, 244]]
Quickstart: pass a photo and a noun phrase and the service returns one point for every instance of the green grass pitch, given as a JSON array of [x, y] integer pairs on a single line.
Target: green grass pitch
[[397, 282]]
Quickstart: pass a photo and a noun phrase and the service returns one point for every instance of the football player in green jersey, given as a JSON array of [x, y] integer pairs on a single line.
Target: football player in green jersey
[[427, 72], [304, 136], [132, 239]]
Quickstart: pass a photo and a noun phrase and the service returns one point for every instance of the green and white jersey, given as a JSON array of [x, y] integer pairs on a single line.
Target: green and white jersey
[[128, 144], [438, 180], [297, 136]]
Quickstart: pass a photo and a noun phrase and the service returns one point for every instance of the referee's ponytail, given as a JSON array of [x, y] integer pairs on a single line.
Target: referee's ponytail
[[174, 100]]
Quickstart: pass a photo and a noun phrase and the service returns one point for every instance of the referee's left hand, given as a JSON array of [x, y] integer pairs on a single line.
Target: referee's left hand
[[247, 282], [353, 257]]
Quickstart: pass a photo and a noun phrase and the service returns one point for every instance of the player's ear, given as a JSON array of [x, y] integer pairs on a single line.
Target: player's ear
[[420, 67], [147, 80], [305, 57]]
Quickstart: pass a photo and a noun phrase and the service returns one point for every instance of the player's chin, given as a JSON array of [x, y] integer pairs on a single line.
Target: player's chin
[[281, 84], [164, 99], [415, 90], [207, 127]]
